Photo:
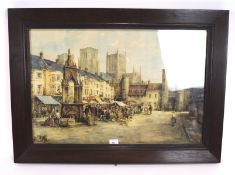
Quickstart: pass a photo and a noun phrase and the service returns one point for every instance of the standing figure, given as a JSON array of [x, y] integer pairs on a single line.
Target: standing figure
[[57, 118], [145, 110], [173, 119], [150, 109], [88, 115], [50, 120]]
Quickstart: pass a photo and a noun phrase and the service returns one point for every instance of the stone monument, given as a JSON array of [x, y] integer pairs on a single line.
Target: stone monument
[[72, 105]]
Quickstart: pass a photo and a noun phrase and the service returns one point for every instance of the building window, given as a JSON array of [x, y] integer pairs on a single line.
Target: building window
[[39, 75], [149, 95], [59, 89], [39, 89], [53, 77], [155, 105], [97, 86], [97, 92], [58, 77], [91, 92], [155, 95], [53, 88]]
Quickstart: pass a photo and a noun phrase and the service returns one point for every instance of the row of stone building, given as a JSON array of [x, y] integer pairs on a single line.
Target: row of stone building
[[114, 84], [47, 76]]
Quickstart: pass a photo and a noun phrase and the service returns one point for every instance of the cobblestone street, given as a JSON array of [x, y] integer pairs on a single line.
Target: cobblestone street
[[141, 129]]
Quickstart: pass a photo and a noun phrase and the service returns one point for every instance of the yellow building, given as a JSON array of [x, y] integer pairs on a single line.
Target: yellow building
[[47, 75], [94, 85], [154, 94], [146, 94]]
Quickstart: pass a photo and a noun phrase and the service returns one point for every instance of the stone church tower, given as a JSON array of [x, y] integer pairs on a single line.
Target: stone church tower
[[89, 60], [116, 64]]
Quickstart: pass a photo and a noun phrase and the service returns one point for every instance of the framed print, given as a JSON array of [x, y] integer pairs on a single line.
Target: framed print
[[117, 85]]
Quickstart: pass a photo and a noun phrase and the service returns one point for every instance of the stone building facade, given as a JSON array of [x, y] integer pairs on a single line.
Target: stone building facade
[[47, 76], [154, 94], [89, 60]]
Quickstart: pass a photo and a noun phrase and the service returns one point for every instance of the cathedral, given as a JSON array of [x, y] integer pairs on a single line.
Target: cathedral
[[129, 87]]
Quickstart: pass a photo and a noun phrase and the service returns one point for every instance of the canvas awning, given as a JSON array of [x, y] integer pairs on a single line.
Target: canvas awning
[[100, 101], [92, 102], [84, 101], [119, 103], [47, 100]]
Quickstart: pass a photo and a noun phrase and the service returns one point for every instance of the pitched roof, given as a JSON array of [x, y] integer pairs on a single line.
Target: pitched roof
[[90, 75], [54, 66], [137, 89], [40, 64], [107, 76], [154, 86], [141, 89]]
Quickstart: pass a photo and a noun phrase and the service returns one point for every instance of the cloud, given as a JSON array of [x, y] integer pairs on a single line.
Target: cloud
[[177, 49]]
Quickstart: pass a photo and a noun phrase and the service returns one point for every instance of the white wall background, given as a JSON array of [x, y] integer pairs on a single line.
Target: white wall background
[[7, 167]]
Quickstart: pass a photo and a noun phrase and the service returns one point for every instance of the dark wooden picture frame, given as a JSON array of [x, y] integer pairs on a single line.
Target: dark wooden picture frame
[[214, 21]]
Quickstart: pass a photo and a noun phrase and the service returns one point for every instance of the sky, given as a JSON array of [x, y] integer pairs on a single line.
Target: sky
[[180, 52]]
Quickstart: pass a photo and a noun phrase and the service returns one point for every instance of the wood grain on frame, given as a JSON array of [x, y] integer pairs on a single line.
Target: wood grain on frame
[[214, 21]]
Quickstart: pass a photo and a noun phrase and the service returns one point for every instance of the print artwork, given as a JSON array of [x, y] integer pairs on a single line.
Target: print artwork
[[131, 86]]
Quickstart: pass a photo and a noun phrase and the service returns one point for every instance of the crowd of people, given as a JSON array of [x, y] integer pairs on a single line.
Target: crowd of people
[[148, 109], [109, 113], [94, 113], [53, 120]]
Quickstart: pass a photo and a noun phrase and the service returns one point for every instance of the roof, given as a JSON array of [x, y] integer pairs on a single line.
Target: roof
[[107, 76], [47, 100], [40, 64], [54, 66], [141, 89], [137, 89], [154, 86], [90, 75]]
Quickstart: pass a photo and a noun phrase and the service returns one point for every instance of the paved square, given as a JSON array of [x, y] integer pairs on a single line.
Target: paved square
[[141, 129]]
